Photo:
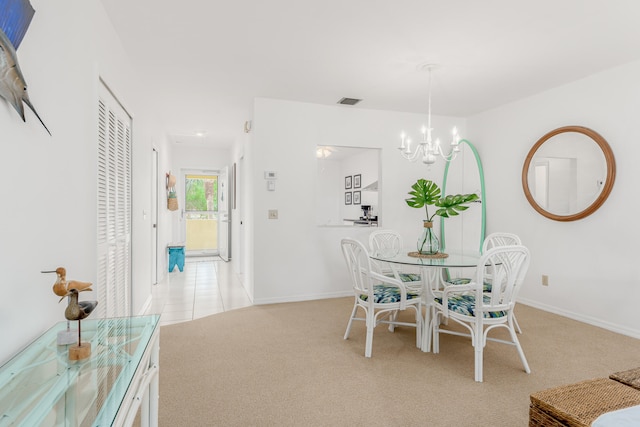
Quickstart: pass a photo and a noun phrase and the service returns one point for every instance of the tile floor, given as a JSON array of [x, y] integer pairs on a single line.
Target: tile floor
[[208, 285]]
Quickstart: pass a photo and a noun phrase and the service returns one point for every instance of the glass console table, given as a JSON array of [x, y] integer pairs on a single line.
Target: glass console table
[[40, 386]]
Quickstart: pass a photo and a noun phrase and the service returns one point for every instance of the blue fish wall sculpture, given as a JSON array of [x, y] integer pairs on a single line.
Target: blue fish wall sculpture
[[15, 17]]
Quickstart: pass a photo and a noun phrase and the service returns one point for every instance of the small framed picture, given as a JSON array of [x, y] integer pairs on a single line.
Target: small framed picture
[[347, 198], [356, 197], [356, 181], [347, 182]]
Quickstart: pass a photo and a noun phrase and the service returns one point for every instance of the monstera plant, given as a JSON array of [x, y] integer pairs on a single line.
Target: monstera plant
[[426, 193]]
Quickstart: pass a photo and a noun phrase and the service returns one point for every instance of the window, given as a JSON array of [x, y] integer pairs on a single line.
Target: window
[[201, 213]]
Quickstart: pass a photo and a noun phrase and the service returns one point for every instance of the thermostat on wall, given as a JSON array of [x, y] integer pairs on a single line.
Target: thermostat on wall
[[270, 175]]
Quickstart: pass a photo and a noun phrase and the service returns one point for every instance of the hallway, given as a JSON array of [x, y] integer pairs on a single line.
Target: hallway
[[207, 286]]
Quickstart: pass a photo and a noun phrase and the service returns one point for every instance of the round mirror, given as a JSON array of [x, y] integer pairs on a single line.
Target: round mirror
[[568, 173]]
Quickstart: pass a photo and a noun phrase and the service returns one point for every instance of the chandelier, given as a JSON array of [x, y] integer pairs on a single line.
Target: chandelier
[[428, 149]]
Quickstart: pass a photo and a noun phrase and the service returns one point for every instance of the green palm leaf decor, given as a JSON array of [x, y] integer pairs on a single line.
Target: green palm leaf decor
[[426, 193]]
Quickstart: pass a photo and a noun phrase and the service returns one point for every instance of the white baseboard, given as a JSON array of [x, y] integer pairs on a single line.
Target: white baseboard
[[634, 333], [298, 298]]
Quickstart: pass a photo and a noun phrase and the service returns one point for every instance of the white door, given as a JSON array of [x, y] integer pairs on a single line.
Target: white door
[[113, 284], [239, 191], [155, 188]]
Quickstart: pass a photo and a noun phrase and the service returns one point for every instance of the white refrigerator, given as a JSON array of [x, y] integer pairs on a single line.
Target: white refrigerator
[[224, 215]]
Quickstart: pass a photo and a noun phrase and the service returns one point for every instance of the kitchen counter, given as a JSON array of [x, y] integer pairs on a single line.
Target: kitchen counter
[[364, 222]]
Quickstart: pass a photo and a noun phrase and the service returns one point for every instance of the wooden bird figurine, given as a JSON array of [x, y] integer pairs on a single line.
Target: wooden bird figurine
[[61, 287], [78, 310]]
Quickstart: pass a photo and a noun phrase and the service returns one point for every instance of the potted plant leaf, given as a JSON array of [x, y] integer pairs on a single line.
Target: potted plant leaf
[[426, 193]]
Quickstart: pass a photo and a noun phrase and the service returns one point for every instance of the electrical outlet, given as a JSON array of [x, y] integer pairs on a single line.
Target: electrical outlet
[[545, 280], [273, 214]]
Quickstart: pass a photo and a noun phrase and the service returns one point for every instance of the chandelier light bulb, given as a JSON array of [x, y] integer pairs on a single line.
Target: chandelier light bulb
[[402, 144]]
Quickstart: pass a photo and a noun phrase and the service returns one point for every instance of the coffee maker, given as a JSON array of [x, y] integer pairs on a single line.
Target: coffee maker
[[366, 212]]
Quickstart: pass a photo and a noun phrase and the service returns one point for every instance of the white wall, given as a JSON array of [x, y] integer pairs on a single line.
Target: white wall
[[49, 204], [293, 258], [592, 263], [330, 192]]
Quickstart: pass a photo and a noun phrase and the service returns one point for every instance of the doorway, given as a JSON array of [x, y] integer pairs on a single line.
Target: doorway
[[155, 191], [200, 213]]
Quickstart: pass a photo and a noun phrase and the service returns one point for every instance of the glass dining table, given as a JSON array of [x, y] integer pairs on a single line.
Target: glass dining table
[[433, 270]]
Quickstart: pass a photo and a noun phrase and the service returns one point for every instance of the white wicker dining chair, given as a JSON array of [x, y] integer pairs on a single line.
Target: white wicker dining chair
[[504, 267], [390, 242], [379, 296], [491, 241]]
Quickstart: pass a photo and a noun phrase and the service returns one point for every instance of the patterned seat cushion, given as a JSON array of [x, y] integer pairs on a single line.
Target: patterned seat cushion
[[466, 281], [406, 277], [466, 305], [388, 294]]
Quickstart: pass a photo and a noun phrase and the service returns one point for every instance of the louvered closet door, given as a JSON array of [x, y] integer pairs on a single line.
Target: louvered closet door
[[114, 207]]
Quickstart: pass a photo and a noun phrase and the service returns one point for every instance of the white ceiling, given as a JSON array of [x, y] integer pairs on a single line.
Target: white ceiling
[[204, 61]]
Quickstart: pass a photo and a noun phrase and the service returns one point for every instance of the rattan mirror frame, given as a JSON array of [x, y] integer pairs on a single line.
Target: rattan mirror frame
[[606, 190]]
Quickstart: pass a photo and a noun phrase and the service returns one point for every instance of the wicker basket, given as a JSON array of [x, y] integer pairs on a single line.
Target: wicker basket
[[630, 377], [172, 200], [578, 405], [172, 204]]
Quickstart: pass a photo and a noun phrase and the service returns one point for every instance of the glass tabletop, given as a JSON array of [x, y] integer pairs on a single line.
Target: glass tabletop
[[40, 386], [453, 259]]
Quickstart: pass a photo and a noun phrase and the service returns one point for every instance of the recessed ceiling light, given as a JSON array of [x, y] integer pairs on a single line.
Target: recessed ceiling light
[[349, 101], [201, 133]]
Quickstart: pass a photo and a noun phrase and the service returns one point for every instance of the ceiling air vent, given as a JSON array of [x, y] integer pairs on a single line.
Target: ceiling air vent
[[349, 101]]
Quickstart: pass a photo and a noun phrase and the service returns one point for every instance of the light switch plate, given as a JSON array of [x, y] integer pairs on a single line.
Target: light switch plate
[[273, 214]]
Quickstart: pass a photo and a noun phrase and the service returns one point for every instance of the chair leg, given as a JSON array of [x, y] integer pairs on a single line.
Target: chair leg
[[419, 326], [392, 317], [353, 315], [523, 359], [371, 324], [478, 350], [435, 328], [425, 342], [516, 325]]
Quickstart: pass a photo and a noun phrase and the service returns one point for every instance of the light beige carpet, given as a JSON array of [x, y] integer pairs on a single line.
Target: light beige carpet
[[287, 365]]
